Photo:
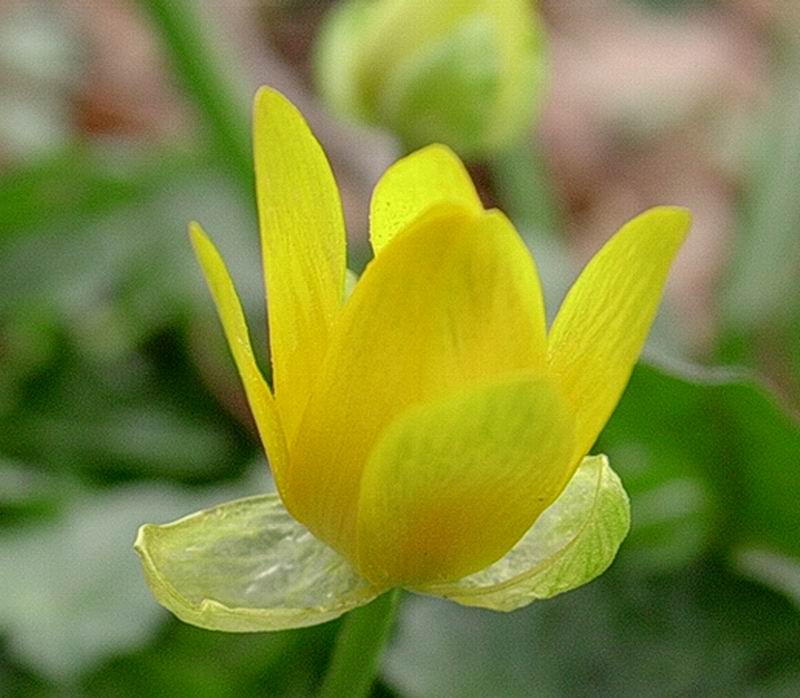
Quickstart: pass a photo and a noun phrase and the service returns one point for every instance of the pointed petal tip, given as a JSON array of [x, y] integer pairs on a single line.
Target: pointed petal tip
[[265, 94], [200, 244], [679, 217], [267, 100], [678, 211], [435, 148], [196, 234]]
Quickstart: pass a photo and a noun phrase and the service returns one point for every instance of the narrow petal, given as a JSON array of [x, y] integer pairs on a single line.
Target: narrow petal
[[571, 543], [604, 320], [230, 312], [247, 566], [452, 301], [303, 245], [430, 176], [453, 484]]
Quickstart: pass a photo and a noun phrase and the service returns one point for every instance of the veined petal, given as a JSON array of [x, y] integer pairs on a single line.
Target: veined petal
[[247, 566], [453, 300], [234, 325], [602, 325], [453, 484], [571, 543], [432, 175], [303, 246]]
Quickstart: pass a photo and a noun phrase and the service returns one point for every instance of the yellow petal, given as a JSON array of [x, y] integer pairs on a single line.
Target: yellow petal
[[571, 543], [604, 320], [453, 484], [453, 300], [233, 323], [303, 245], [430, 176]]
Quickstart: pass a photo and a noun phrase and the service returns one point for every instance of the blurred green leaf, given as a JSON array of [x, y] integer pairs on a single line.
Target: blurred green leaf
[[146, 416], [145, 441], [707, 456], [84, 181], [659, 441], [698, 631], [271, 664], [97, 374], [767, 256], [25, 492], [72, 589], [116, 279], [777, 571]]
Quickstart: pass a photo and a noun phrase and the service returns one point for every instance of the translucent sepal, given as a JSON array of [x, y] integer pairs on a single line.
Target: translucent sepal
[[247, 566]]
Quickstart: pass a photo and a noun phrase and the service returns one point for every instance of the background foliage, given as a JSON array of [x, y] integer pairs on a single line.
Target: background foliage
[[121, 121]]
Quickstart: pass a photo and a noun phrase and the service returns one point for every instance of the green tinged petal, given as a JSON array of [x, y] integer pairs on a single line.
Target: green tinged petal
[[454, 483], [247, 566], [571, 543]]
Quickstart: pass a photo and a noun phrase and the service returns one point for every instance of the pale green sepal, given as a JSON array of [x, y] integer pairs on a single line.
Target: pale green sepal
[[571, 543], [247, 566]]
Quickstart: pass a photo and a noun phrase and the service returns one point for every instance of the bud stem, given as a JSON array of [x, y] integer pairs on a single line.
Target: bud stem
[[359, 647]]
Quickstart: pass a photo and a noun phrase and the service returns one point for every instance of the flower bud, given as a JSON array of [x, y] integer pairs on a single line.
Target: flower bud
[[467, 73]]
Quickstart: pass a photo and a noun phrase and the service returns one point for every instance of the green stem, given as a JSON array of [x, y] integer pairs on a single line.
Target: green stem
[[523, 188], [359, 647], [206, 72], [521, 176]]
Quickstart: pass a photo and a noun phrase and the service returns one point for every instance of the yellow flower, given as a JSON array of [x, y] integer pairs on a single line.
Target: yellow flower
[[424, 427]]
